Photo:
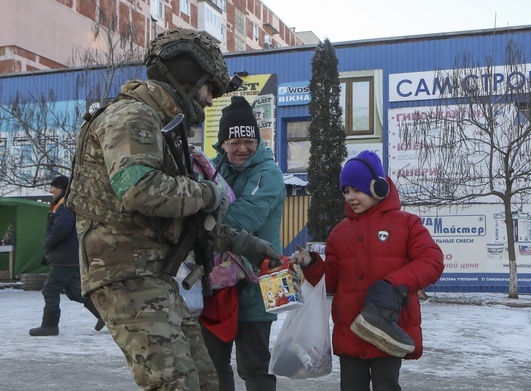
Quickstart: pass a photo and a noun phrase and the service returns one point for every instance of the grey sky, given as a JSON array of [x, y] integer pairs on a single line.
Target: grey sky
[[345, 20]]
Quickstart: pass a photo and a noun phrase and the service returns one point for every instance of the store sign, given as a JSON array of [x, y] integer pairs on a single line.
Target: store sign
[[294, 93], [474, 244], [458, 227], [436, 84]]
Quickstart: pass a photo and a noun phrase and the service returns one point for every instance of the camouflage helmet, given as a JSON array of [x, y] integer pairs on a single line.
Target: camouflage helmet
[[201, 48]]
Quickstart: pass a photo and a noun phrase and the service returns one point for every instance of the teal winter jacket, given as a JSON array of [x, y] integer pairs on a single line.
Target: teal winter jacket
[[259, 189]]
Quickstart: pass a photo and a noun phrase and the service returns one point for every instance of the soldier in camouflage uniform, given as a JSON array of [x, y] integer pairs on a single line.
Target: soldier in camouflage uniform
[[130, 200]]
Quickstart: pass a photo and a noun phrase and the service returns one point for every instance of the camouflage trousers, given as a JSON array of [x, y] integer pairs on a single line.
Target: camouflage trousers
[[158, 335]]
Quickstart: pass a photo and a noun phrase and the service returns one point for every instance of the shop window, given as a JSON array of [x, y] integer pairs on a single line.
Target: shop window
[[298, 146], [357, 101]]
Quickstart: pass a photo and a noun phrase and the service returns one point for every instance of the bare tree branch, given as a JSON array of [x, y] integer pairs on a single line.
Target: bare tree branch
[[38, 133], [475, 143]]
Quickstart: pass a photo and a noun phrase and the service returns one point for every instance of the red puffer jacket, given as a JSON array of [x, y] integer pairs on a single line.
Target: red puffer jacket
[[382, 243]]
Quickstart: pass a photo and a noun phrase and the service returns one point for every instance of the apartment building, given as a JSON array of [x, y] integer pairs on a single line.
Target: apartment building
[[49, 34]]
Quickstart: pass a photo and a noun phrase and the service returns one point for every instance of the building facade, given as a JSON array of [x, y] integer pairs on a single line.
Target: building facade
[[384, 82], [51, 34]]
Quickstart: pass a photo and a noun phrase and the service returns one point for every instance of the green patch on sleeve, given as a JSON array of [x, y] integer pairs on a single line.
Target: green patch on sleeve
[[128, 177]]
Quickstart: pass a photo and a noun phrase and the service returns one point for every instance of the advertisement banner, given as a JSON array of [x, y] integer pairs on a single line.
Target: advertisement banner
[[404, 157], [294, 93], [260, 91], [472, 236], [426, 85], [474, 243]]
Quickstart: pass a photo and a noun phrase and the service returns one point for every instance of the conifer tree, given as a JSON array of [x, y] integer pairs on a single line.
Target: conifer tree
[[327, 144]]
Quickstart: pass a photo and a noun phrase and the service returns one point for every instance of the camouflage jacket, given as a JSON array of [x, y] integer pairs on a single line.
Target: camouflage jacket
[[126, 190]]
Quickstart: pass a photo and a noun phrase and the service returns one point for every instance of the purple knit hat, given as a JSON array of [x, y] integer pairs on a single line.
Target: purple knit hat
[[358, 174]]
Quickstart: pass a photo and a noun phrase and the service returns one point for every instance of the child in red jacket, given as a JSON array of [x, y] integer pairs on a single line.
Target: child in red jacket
[[377, 258]]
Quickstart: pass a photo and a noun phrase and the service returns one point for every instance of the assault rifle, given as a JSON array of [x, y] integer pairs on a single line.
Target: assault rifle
[[196, 235]]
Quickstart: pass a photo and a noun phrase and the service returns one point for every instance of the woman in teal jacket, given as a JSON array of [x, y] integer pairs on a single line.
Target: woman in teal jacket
[[258, 184]]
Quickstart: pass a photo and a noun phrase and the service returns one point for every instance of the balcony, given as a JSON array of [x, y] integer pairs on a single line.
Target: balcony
[[209, 19], [270, 29]]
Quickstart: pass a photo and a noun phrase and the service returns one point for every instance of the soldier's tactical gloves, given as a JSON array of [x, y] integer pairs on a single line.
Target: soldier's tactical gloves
[[219, 201], [253, 248], [303, 257], [223, 208]]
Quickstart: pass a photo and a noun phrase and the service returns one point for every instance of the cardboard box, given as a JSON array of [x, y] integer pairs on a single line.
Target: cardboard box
[[281, 287]]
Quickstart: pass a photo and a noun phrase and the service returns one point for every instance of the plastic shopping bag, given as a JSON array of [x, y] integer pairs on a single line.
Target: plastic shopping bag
[[193, 297], [303, 348]]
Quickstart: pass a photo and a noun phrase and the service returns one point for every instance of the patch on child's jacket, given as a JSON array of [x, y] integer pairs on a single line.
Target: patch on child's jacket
[[141, 132], [383, 236]]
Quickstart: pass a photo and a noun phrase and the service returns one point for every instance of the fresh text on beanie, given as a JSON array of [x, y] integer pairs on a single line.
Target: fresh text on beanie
[[242, 131]]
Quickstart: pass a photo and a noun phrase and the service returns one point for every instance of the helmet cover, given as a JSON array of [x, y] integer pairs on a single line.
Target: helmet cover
[[201, 48]]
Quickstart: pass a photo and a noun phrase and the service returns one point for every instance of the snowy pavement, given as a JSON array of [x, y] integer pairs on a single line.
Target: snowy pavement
[[466, 347]]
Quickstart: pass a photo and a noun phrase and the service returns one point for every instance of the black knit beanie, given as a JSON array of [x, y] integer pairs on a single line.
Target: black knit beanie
[[238, 121], [60, 182]]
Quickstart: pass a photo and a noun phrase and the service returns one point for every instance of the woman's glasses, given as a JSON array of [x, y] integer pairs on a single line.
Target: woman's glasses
[[235, 144]]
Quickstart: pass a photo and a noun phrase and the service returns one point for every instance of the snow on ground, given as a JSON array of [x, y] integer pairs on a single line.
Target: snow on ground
[[472, 341]]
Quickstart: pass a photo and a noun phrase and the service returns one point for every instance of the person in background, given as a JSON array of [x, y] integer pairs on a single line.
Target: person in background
[[258, 185], [133, 201], [377, 259], [61, 253]]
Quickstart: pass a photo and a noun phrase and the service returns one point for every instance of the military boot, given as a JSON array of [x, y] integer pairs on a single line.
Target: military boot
[[49, 325]]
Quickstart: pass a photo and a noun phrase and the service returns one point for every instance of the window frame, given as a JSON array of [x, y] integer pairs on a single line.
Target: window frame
[[184, 6], [157, 9], [239, 44], [239, 22], [298, 139], [346, 102]]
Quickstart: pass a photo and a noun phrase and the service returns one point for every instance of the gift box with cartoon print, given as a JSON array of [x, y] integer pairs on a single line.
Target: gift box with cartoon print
[[280, 286]]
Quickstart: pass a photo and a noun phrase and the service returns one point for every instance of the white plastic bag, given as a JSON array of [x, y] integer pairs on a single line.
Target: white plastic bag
[[193, 297], [303, 348]]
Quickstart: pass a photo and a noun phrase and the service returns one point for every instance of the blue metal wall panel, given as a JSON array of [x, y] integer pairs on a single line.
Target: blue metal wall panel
[[70, 84]]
